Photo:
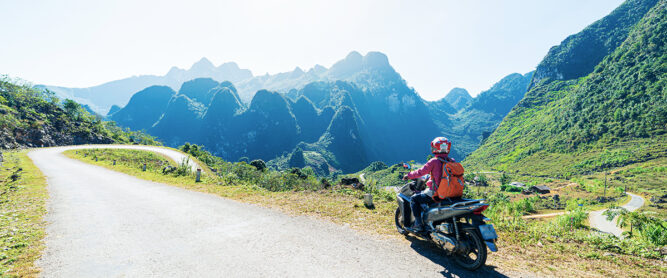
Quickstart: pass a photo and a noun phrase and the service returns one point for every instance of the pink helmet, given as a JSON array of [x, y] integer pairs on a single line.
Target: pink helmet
[[440, 145]]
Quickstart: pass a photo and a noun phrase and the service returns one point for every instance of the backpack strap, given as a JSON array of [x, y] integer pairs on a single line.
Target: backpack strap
[[444, 175]]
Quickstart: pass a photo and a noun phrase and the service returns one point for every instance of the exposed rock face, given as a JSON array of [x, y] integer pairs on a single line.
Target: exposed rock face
[[268, 127], [199, 89], [48, 136], [145, 108], [458, 98]]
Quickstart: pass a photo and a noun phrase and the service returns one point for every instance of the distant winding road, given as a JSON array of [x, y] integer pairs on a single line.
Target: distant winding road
[[599, 221], [103, 223]]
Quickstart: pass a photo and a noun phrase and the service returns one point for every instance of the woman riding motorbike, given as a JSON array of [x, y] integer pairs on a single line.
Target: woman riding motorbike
[[440, 147]]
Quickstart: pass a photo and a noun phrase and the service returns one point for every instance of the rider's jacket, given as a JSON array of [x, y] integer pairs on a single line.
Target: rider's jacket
[[433, 167]]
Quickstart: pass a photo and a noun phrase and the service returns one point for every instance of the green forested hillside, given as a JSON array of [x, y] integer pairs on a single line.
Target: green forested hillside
[[578, 54], [613, 116], [33, 118]]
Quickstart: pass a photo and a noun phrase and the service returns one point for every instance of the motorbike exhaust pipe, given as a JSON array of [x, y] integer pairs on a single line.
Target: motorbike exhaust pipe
[[446, 242]]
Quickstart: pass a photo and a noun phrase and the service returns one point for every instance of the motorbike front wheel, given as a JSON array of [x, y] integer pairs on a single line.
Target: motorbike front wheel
[[473, 252], [398, 217]]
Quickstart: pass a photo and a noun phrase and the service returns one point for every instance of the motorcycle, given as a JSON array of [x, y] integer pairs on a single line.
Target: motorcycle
[[456, 225]]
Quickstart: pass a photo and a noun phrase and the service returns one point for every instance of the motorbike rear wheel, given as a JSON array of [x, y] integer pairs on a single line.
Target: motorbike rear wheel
[[398, 217], [473, 256]]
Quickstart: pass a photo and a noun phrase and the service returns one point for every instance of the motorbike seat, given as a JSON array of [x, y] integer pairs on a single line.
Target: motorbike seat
[[448, 202]]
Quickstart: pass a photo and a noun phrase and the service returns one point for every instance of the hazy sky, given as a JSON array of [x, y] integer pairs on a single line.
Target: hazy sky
[[434, 45]]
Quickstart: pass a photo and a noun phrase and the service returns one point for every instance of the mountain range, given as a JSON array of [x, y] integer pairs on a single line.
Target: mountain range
[[104, 97], [358, 111], [579, 104]]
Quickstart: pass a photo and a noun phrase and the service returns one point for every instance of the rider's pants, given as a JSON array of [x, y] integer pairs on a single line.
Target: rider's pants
[[415, 205]]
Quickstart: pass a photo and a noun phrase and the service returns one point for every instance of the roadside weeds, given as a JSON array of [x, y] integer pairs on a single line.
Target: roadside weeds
[[22, 208]]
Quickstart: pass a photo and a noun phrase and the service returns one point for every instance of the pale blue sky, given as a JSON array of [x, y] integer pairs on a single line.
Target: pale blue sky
[[434, 45]]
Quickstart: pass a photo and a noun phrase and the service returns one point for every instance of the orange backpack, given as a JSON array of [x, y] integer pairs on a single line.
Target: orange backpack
[[451, 183]]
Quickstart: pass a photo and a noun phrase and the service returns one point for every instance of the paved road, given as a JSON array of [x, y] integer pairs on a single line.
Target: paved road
[[599, 221], [103, 223]]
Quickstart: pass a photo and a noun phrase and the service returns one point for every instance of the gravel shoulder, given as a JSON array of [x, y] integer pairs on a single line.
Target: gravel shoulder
[[103, 223]]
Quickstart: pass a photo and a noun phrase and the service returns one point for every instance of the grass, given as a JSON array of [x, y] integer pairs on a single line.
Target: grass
[[22, 208], [521, 248]]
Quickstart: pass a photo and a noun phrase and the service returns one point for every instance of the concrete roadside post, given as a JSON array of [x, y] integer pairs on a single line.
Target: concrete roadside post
[[198, 178], [368, 200]]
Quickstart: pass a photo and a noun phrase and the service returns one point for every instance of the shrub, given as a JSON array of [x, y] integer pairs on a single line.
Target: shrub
[[259, 164], [308, 171], [574, 220], [376, 166], [183, 168], [297, 172], [510, 188], [325, 183], [504, 179]]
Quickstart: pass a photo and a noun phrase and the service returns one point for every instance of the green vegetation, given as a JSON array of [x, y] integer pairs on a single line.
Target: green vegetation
[[578, 54], [614, 116], [648, 228], [389, 176], [224, 173], [23, 197], [569, 236], [33, 118]]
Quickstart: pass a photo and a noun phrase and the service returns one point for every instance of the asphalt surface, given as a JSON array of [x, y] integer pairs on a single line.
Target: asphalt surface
[[599, 221], [103, 223]]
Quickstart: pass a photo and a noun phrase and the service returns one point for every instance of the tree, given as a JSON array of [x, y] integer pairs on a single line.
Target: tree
[[71, 108], [504, 179], [259, 164], [634, 219], [377, 166]]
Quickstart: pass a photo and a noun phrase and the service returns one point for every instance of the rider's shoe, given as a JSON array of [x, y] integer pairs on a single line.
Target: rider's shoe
[[416, 228]]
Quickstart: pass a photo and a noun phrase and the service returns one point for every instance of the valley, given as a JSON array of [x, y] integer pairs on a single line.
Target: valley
[[570, 156]]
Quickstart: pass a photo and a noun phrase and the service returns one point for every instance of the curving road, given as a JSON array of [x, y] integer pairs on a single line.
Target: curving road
[[599, 221], [103, 223], [176, 156]]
